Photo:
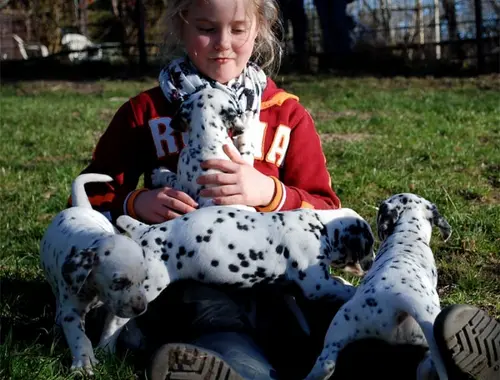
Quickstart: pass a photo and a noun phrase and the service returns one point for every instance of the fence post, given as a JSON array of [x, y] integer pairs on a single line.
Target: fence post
[[437, 29], [479, 35], [143, 58], [83, 17]]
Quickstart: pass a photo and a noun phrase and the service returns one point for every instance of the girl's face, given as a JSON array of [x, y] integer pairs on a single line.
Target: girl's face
[[219, 36]]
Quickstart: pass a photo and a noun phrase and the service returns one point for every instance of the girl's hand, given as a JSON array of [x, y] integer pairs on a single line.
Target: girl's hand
[[239, 182], [159, 205]]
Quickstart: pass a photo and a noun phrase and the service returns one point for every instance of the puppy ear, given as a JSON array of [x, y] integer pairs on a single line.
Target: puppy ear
[[130, 226], [439, 221], [180, 121], [386, 219], [238, 126], [78, 266]]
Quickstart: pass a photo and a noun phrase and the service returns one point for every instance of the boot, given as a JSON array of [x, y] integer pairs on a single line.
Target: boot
[[469, 342], [216, 356]]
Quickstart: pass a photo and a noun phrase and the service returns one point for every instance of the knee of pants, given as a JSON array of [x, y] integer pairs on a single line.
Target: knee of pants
[[188, 309]]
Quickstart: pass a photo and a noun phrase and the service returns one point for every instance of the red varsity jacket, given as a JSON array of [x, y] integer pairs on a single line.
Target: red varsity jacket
[[139, 139]]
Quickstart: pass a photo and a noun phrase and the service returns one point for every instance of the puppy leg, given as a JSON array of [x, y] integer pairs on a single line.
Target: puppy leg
[[425, 367], [132, 336], [426, 370], [163, 177], [73, 324], [112, 328], [246, 149], [346, 327], [317, 283]]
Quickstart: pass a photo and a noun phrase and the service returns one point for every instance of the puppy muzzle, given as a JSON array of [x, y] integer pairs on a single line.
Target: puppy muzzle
[[354, 268]]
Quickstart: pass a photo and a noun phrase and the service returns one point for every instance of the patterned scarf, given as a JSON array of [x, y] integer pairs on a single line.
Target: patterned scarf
[[180, 79]]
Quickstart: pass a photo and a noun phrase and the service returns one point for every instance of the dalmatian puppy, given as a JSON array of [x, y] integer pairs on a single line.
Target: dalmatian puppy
[[208, 117], [400, 287], [223, 245], [87, 265]]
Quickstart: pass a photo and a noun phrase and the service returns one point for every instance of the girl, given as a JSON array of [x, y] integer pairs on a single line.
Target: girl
[[215, 41], [220, 41]]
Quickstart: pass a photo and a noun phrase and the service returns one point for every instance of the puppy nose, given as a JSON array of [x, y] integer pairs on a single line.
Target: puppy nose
[[366, 265], [138, 310]]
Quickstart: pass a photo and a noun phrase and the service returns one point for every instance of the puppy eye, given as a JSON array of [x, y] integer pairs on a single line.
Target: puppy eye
[[121, 283]]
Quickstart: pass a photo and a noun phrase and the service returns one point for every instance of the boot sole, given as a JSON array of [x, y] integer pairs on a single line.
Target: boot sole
[[469, 342], [186, 362]]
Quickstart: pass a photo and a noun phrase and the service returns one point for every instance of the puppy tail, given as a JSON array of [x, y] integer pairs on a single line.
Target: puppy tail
[[79, 197]]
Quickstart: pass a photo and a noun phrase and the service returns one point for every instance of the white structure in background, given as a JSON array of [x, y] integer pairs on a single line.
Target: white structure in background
[[81, 48], [30, 50]]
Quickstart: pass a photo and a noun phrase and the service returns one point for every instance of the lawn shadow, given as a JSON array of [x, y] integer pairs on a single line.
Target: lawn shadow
[[27, 310], [27, 318]]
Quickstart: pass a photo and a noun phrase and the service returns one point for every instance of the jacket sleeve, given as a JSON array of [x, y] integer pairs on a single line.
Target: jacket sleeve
[[304, 180], [118, 155]]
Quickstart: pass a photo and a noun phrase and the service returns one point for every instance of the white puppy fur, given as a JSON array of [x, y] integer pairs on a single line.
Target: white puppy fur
[[88, 264]]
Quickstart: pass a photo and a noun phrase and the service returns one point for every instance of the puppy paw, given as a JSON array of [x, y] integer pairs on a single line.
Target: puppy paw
[[163, 177], [340, 279], [85, 363]]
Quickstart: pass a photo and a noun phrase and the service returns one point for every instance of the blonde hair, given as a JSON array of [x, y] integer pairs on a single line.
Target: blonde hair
[[267, 50]]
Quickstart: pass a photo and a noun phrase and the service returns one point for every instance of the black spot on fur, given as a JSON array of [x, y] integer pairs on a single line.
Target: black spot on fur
[[233, 268], [372, 302]]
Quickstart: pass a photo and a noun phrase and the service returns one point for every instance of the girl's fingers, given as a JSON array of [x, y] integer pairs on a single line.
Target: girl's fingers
[[221, 191], [225, 166], [216, 179], [233, 154], [156, 218], [230, 200], [177, 206], [169, 214], [181, 197]]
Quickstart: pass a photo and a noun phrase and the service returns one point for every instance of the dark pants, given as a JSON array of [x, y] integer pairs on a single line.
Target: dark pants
[[187, 310], [335, 29], [293, 11]]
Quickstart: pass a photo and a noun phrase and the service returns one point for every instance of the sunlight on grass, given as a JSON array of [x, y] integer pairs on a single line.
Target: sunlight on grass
[[437, 138]]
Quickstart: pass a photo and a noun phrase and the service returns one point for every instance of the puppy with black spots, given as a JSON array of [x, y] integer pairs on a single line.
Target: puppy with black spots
[[89, 264], [399, 289], [208, 118], [223, 245]]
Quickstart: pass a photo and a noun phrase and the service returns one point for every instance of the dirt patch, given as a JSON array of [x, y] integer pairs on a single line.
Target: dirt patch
[[492, 173], [37, 87], [349, 137], [331, 115], [107, 114], [50, 159]]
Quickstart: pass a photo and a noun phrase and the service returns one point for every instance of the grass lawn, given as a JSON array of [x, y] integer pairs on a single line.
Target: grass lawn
[[439, 138]]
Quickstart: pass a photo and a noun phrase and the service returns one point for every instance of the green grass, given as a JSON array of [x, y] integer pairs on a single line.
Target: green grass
[[437, 138]]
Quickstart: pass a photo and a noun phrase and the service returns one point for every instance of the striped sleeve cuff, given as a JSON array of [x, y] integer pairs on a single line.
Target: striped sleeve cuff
[[128, 204], [278, 199]]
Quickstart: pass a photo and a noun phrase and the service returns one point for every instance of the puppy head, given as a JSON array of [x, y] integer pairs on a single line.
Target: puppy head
[[413, 208], [352, 243], [230, 113], [209, 108], [115, 268]]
